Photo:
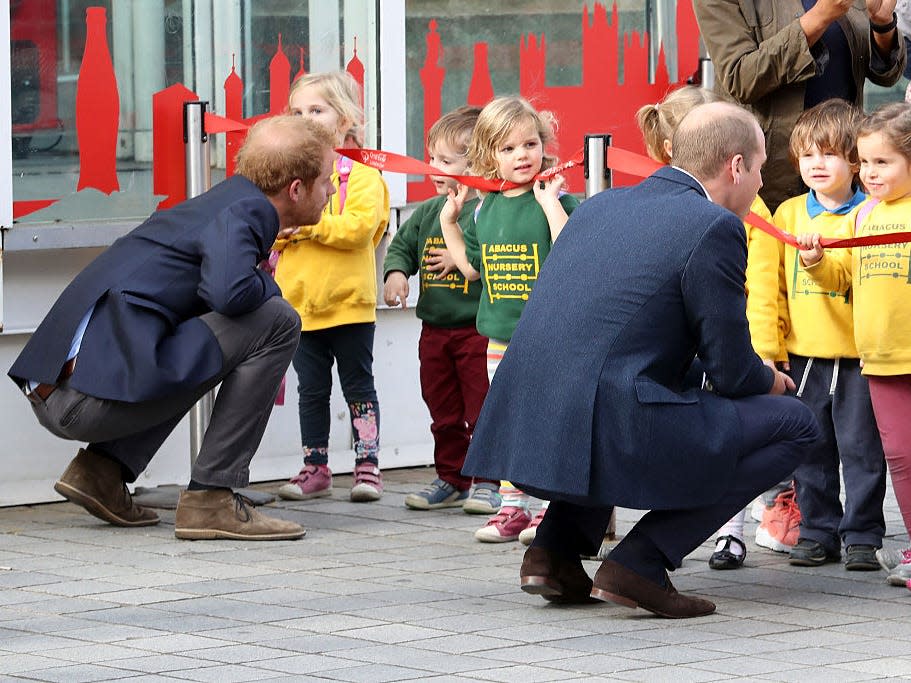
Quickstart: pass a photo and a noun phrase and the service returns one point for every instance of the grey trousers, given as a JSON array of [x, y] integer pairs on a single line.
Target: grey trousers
[[257, 348]]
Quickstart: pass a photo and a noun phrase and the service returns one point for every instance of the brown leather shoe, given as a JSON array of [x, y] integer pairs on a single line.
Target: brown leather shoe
[[616, 583], [555, 578], [95, 483], [221, 513]]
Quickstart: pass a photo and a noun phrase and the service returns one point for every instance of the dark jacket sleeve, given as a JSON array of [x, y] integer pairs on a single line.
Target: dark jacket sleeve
[[715, 302], [231, 246]]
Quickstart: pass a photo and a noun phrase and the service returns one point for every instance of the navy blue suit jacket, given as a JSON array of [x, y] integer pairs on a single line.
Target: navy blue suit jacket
[[145, 339], [590, 403]]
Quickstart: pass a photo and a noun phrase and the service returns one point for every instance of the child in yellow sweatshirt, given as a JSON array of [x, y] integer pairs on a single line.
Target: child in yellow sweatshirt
[[327, 271], [824, 363], [880, 280]]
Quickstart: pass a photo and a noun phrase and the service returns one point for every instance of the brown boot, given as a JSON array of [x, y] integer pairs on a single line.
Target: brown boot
[[555, 578], [221, 513], [95, 483], [616, 583]]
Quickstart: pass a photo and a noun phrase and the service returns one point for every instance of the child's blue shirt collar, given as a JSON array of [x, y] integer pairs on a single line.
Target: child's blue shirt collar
[[814, 208]]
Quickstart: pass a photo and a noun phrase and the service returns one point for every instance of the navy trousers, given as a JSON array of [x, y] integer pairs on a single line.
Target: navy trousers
[[839, 396], [776, 433]]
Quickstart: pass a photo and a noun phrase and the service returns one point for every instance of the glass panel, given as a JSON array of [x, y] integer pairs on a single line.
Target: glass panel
[[87, 142], [588, 63]]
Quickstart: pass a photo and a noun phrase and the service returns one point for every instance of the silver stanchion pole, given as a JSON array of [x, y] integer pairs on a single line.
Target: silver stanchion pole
[[706, 73], [598, 178], [199, 180], [597, 174]]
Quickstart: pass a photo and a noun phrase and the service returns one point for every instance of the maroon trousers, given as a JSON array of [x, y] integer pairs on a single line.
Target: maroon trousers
[[454, 385]]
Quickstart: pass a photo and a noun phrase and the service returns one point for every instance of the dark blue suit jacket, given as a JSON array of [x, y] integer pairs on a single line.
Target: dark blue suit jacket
[[590, 403], [145, 339]]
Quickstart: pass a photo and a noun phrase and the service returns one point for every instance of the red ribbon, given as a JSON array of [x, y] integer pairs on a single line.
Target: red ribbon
[[619, 160], [399, 163], [220, 124]]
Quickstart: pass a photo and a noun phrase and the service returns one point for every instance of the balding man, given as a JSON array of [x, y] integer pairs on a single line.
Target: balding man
[[164, 315], [590, 407]]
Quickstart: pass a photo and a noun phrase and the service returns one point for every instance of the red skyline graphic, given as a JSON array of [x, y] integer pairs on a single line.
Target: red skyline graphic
[[601, 103]]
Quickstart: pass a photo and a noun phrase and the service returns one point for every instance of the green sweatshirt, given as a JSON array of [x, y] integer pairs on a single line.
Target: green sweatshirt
[[450, 302], [507, 243]]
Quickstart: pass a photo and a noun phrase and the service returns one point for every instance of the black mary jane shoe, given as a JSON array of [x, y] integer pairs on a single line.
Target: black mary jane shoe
[[724, 558]]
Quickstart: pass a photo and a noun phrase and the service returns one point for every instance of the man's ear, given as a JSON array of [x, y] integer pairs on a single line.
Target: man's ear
[[668, 148], [737, 168], [295, 188]]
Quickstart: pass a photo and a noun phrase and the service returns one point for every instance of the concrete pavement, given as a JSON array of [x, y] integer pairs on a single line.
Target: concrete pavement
[[376, 592]]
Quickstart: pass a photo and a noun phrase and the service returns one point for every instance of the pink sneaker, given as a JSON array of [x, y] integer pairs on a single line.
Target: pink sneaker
[[504, 526], [527, 535], [368, 483], [313, 481]]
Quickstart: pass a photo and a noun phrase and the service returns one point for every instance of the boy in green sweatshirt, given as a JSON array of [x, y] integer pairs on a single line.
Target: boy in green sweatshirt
[[452, 354]]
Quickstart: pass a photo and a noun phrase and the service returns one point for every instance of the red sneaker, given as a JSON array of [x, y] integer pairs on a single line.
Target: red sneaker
[[780, 525], [504, 526]]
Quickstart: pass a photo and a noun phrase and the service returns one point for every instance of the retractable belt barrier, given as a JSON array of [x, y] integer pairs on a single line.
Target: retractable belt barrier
[[620, 160]]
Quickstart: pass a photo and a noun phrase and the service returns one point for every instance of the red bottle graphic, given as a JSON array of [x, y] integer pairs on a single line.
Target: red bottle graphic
[[279, 80], [480, 92], [97, 108]]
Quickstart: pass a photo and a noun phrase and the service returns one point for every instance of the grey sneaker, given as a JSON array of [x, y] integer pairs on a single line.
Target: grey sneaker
[[890, 558], [484, 500], [438, 494], [900, 574]]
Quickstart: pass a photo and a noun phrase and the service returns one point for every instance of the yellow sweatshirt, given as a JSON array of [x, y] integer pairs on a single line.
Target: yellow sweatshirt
[[762, 288], [818, 321], [328, 271], [882, 289]]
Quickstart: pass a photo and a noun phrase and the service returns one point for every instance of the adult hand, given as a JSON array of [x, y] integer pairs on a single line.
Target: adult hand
[[782, 384], [817, 19], [395, 290], [286, 233], [833, 9], [880, 11], [440, 261]]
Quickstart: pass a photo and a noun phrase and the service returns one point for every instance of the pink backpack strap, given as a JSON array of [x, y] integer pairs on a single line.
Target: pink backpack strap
[[343, 166], [863, 212]]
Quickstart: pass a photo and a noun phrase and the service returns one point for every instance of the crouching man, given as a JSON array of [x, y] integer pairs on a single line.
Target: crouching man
[[167, 313]]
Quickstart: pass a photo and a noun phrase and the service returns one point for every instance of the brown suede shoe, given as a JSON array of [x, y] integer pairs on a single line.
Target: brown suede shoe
[[95, 483], [221, 513], [555, 578], [616, 583]]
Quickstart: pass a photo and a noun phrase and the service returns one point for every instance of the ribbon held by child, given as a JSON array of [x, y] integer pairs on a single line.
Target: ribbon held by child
[[620, 160]]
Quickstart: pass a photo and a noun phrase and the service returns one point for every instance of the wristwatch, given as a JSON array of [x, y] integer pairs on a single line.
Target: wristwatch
[[884, 28]]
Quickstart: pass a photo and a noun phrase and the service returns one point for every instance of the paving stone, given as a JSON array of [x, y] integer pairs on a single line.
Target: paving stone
[[379, 673], [78, 672], [377, 592]]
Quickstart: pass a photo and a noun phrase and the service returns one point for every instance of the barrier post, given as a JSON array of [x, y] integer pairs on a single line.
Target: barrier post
[[706, 73], [199, 180], [598, 178], [597, 174]]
